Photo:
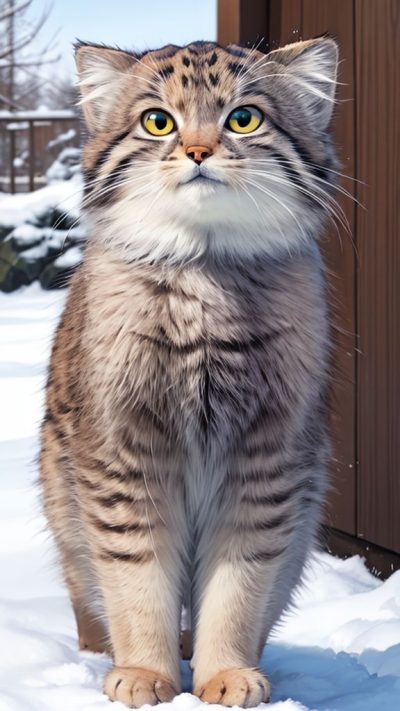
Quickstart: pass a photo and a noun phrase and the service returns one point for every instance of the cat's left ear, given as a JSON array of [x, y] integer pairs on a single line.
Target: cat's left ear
[[103, 72], [313, 67]]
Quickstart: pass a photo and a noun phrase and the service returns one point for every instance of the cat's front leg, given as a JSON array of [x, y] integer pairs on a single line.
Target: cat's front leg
[[138, 548], [248, 567], [143, 611], [225, 652]]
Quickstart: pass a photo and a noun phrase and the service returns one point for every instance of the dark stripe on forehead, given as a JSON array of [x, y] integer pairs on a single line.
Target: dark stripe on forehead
[[212, 60], [165, 52], [236, 51], [264, 94], [235, 67], [201, 47], [166, 71], [148, 96]]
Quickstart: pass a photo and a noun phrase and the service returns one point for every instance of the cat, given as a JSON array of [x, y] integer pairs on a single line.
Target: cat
[[184, 446]]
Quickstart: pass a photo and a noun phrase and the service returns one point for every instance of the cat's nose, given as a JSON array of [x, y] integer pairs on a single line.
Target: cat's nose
[[198, 153]]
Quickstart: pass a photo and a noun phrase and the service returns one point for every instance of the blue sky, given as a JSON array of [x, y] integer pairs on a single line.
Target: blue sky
[[131, 24]]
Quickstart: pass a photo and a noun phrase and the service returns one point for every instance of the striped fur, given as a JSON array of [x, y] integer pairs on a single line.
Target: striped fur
[[184, 445]]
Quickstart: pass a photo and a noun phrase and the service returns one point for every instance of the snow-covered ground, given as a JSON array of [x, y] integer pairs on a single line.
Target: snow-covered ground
[[339, 649]]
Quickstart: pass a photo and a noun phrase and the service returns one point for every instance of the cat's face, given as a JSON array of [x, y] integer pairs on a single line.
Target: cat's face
[[201, 148]]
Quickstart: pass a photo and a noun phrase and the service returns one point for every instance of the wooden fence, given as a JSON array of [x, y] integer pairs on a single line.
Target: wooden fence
[[30, 142]]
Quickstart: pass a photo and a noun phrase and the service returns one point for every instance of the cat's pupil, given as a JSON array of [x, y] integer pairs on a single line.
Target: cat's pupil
[[243, 117], [160, 120]]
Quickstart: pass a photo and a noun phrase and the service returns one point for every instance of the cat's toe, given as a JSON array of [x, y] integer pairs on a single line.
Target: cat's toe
[[236, 687], [135, 687]]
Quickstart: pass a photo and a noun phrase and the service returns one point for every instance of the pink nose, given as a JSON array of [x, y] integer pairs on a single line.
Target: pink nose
[[198, 153]]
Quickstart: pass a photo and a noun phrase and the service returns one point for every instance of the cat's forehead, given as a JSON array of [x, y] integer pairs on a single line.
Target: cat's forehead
[[199, 73]]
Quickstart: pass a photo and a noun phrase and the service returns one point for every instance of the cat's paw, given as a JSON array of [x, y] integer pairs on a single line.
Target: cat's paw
[[135, 687], [236, 687]]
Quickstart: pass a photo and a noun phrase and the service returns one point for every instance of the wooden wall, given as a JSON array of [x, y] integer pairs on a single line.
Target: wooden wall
[[364, 261], [377, 52]]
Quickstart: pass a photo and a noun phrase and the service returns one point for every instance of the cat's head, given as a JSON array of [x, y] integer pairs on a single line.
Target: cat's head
[[207, 149]]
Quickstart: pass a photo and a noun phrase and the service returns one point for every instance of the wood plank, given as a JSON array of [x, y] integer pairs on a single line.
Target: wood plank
[[378, 128], [254, 23], [228, 22], [285, 22], [243, 22], [335, 17]]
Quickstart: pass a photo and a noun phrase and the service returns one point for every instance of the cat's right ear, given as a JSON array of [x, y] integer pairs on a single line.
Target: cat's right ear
[[312, 64], [102, 72]]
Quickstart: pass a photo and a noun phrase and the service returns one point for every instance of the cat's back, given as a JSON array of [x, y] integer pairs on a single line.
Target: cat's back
[[66, 357]]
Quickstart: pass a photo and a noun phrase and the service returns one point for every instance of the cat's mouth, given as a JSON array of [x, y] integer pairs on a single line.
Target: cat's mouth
[[201, 178]]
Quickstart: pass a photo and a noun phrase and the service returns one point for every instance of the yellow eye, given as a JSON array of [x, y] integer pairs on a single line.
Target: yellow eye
[[244, 119], [158, 123]]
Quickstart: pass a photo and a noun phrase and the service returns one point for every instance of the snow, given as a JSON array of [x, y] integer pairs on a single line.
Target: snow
[[20, 160], [66, 164], [22, 207], [338, 650], [62, 138], [38, 114], [70, 259], [27, 235]]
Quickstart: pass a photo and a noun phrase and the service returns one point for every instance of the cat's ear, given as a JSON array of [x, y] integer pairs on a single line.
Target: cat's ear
[[313, 66], [101, 72]]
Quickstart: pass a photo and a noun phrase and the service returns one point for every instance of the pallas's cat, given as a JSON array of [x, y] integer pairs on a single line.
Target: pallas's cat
[[184, 444]]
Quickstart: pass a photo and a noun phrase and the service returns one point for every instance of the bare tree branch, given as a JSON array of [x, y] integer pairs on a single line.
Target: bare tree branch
[[18, 32], [13, 10], [28, 37], [9, 103], [32, 63]]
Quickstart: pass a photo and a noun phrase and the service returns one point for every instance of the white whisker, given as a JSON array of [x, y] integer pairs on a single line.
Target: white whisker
[[326, 201], [282, 204]]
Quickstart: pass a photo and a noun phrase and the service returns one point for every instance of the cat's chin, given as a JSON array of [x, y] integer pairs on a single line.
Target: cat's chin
[[202, 186]]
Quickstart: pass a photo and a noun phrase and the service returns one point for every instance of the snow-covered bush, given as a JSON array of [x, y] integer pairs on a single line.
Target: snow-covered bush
[[41, 237], [66, 165]]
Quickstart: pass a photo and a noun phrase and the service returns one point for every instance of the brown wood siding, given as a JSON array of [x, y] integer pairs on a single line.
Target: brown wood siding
[[242, 22], [378, 228], [319, 17]]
